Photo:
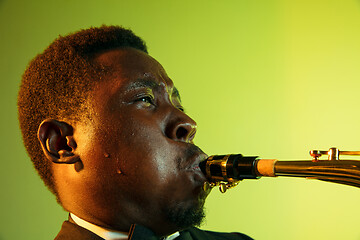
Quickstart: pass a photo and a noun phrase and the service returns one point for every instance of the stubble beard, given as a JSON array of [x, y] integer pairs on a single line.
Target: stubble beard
[[185, 217]]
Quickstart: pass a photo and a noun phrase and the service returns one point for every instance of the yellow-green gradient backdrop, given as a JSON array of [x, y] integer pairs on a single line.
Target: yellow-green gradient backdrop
[[274, 78]]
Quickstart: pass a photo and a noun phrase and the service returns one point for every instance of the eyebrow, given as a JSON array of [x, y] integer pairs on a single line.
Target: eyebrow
[[148, 83], [176, 93], [142, 83]]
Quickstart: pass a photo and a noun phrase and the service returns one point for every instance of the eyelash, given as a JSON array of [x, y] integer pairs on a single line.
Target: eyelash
[[147, 99], [150, 100], [181, 109]]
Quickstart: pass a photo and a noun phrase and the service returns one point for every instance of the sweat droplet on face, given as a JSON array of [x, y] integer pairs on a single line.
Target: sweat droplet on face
[[118, 170]]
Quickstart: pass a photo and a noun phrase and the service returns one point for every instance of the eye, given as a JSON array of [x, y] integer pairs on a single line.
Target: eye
[[181, 108], [176, 103], [146, 99]]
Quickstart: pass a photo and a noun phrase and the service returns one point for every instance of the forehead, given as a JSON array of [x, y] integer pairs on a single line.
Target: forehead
[[128, 64], [127, 69]]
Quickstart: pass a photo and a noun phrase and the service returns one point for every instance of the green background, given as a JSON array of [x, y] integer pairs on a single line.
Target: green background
[[274, 78]]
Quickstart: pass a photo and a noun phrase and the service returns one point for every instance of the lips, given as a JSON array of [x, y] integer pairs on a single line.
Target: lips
[[194, 168], [199, 158]]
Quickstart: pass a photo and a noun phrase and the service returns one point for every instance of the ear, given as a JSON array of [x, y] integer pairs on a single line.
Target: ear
[[57, 141]]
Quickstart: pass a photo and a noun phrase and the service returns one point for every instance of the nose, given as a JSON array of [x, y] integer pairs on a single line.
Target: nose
[[182, 128]]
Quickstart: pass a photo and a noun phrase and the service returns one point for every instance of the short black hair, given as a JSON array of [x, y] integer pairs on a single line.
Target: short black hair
[[56, 82]]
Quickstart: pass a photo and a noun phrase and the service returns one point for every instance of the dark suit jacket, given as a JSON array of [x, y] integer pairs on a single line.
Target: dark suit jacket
[[71, 231]]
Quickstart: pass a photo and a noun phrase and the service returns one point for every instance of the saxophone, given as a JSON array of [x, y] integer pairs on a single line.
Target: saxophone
[[226, 171]]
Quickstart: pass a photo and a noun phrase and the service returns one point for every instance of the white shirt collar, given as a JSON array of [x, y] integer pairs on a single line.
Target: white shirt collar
[[172, 236], [105, 233], [108, 234]]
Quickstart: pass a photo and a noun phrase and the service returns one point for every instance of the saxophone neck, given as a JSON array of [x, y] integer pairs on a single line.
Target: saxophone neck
[[226, 171]]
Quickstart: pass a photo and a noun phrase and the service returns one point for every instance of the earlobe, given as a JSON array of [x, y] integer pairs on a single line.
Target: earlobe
[[57, 141]]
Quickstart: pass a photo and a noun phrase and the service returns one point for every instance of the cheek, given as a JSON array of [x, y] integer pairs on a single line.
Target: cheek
[[142, 150], [155, 170], [137, 146], [151, 161]]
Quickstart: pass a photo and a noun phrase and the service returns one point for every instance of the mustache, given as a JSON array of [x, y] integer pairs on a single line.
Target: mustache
[[187, 159], [192, 150]]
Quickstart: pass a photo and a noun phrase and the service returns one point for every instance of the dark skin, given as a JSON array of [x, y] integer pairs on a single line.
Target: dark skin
[[134, 158]]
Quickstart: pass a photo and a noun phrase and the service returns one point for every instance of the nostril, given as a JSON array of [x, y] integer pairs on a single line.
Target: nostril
[[181, 133], [181, 130]]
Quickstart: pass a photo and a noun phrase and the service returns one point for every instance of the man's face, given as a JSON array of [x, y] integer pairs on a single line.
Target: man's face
[[139, 164]]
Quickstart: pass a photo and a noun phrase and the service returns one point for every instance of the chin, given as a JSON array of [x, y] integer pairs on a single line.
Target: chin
[[185, 215], [189, 217]]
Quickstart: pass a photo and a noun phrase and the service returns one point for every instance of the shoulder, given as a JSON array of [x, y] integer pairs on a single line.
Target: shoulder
[[197, 233]]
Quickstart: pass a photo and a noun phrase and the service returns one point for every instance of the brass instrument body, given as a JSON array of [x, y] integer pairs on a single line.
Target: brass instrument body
[[226, 171], [338, 171]]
